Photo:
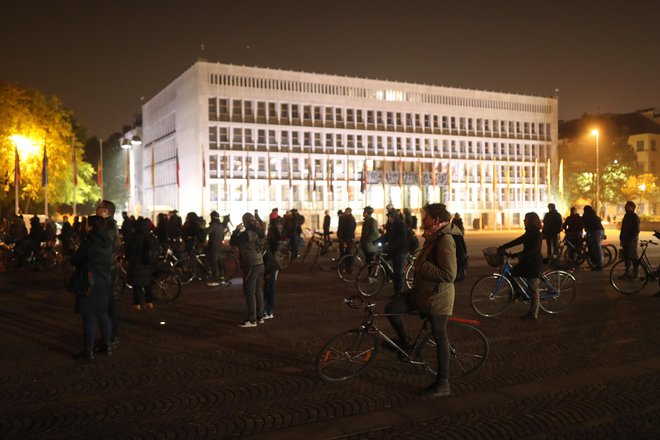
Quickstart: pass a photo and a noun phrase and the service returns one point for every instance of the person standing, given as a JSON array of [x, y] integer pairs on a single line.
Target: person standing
[[271, 270], [106, 210], [397, 248], [552, 223], [326, 227], [595, 234], [530, 259], [458, 222], [66, 237], [141, 265], [216, 233], [573, 229], [629, 237], [435, 272], [369, 234], [94, 257], [248, 238], [348, 226]]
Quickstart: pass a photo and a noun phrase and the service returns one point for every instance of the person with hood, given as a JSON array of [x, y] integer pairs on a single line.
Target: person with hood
[[530, 259], [216, 234], [433, 293], [248, 238], [94, 257]]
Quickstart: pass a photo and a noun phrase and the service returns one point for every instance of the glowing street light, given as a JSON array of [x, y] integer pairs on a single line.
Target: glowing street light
[[596, 133], [24, 147]]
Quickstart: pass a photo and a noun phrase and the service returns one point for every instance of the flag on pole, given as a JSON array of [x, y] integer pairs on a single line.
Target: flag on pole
[[153, 166], [127, 182], [508, 181], [561, 178], [267, 164], [314, 176], [248, 163], [309, 174], [331, 168], [524, 177], [178, 169], [363, 186], [203, 171], [384, 173], [482, 177], [419, 173], [17, 167], [99, 173], [434, 177], [536, 179], [547, 177], [346, 171], [44, 168], [449, 178], [495, 172], [290, 171], [75, 168]]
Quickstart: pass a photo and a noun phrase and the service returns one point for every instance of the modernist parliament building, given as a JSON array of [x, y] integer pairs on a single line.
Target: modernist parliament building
[[235, 138]]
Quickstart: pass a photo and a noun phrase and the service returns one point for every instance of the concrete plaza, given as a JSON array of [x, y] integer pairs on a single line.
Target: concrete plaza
[[186, 370]]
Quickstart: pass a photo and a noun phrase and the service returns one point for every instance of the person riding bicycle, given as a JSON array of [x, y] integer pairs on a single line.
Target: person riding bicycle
[[629, 237], [530, 259], [573, 229], [595, 235], [369, 234], [435, 272]]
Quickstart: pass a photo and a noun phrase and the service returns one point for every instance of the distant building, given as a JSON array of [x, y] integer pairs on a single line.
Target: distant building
[[255, 138]]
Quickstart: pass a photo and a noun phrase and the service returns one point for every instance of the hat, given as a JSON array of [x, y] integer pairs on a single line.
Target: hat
[[369, 209], [274, 209], [214, 214]]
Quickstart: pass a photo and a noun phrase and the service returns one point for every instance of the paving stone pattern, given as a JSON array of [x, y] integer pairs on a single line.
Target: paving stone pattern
[[591, 372]]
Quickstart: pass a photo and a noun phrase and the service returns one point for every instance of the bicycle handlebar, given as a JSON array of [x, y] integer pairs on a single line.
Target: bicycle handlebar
[[647, 242]]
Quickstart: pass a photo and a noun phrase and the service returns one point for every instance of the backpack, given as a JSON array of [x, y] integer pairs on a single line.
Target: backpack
[[411, 240], [461, 258]]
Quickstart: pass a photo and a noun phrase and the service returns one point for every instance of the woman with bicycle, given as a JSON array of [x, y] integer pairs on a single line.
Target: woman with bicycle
[[433, 293], [530, 259]]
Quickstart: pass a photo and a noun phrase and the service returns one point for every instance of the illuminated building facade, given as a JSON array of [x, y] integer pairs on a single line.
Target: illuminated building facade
[[241, 138]]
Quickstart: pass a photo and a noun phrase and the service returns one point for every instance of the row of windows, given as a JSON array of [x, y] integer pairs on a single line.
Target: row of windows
[[237, 166], [391, 95], [236, 110], [641, 145], [225, 138]]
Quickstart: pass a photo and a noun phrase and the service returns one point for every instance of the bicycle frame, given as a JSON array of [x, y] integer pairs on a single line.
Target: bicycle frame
[[520, 285]]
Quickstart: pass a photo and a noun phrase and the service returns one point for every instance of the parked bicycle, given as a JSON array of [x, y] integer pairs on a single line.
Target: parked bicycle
[[327, 252], [642, 271], [577, 253], [493, 293], [195, 267], [372, 277], [43, 258], [166, 285], [350, 264], [350, 353]]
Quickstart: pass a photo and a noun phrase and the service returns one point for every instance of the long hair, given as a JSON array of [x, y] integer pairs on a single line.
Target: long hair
[[533, 220]]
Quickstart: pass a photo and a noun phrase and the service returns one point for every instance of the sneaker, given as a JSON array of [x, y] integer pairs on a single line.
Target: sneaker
[[260, 321], [149, 305], [268, 316], [105, 349], [213, 284], [248, 324], [137, 307]]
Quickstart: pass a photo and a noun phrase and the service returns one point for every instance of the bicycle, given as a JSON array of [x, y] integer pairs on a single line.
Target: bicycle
[[189, 268], [43, 258], [371, 278], [327, 253], [350, 264], [578, 253], [165, 283], [493, 293], [643, 272], [350, 353]]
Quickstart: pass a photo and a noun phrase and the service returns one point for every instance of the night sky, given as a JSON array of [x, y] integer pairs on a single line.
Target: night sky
[[102, 57]]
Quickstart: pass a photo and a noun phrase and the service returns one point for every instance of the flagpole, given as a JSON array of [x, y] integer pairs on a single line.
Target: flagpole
[[153, 183], [17, 180], [100, 170], [44, 179], [75, 177]]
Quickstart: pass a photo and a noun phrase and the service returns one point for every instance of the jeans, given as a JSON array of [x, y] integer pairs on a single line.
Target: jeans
[[89, 329], [629, 254], [269, 292], [253, 289], [398, 262], [401, 305], [552, 246]]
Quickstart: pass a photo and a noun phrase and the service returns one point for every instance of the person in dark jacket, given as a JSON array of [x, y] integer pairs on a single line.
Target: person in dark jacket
[[191, 233], [552, 224], [530, 259], [326, 227], [33, 240], [348, 226], [275, 234], [573, 229], [106, 209], [247, 237], [369, 234], [216, 234], [397, 248], [595, 234], [141, 266], [174, 226], [161, 228], [458, 222], [94, 256], [629, 237], [66, 236]]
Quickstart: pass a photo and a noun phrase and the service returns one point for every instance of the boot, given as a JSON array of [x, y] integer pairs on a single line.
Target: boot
[[439, 388]]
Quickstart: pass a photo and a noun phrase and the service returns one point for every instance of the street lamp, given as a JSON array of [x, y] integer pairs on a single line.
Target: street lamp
[[25, 147], [596, 133]]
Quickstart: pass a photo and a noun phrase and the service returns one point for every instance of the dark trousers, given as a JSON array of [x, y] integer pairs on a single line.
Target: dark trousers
[[269, 292], [137, 294], [398, 262], [217, 264], [629, 254], [253, 289], [552, 245], [401, 305], [112, 307], [89, 329]]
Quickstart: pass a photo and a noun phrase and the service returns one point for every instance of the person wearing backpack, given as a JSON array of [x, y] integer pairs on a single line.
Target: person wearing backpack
[[142, 255], [530, 259], [248, 238], [433, 293]]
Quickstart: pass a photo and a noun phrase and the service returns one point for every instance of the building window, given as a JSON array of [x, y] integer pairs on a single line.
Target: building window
[[653, 147], [213, 138], [213, 166], [640, 145], [213, 109], [224, 108]]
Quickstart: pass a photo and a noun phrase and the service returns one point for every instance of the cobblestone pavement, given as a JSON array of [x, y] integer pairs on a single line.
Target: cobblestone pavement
[[185, 370]]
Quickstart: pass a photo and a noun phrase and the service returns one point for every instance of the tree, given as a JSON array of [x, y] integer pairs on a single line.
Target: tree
[[640, 187], [45, 124]]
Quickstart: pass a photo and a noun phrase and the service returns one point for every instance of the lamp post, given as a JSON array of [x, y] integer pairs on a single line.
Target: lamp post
[[596, 133], [128, 144]]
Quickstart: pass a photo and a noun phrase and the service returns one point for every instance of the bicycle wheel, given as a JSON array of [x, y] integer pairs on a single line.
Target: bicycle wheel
[[625, 282], [468, 350], [613, 250], [47, 259], [557, 291], [231, 266], [166, 286], [606, 257], [185, 270], [328, 257], [490, 295], [409, 275], [307, 249], [346, 355], [348, 267], [370, 279]]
